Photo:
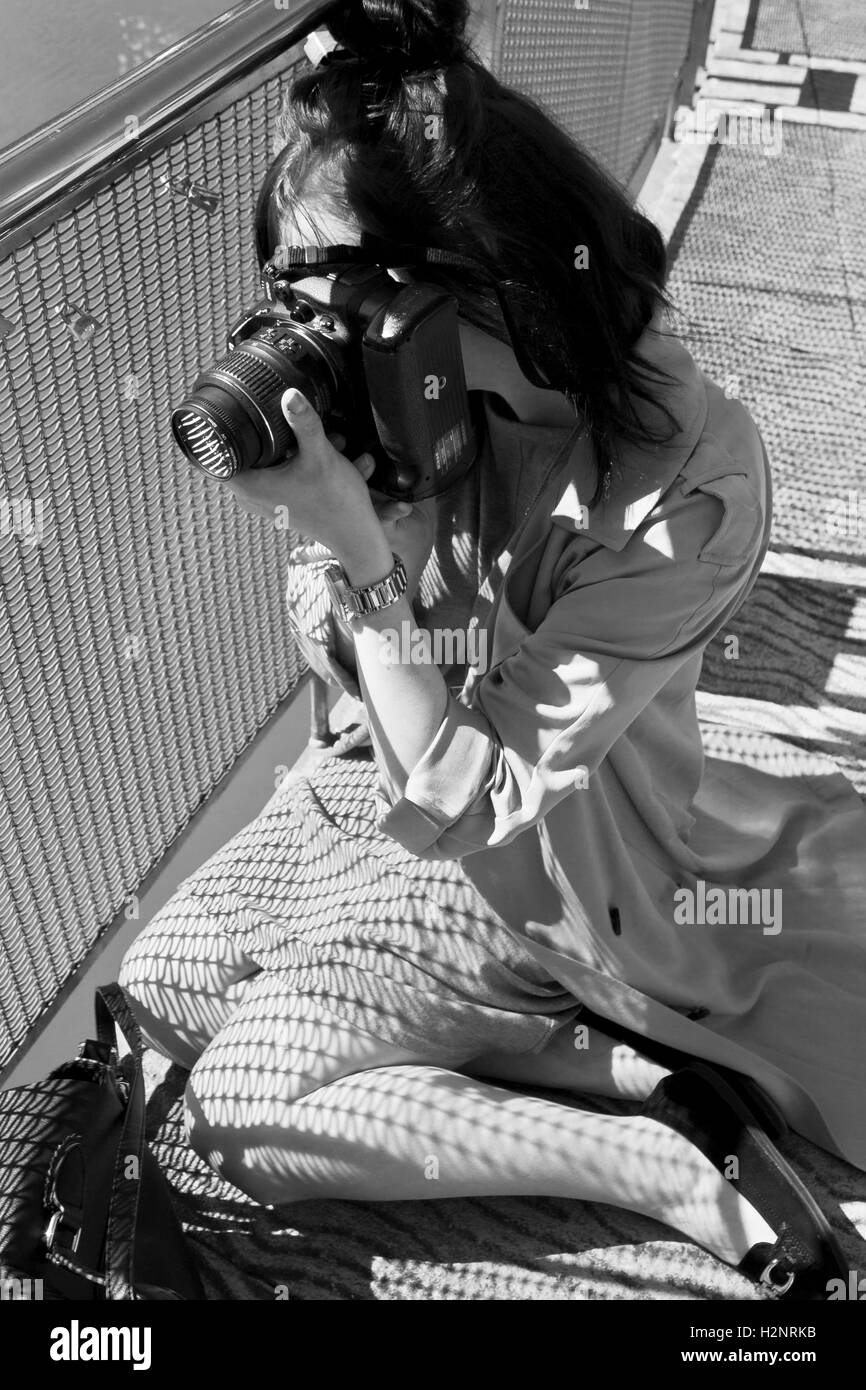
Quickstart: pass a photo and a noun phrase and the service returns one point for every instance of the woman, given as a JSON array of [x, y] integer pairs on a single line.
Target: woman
[[513, 886]]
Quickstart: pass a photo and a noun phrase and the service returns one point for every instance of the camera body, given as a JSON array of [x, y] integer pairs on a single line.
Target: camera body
[[379, 360]]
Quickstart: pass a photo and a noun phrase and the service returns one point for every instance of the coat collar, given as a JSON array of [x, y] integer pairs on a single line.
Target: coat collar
[[645, 471]]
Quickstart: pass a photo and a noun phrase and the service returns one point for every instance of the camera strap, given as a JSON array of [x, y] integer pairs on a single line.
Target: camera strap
[[290, 263]]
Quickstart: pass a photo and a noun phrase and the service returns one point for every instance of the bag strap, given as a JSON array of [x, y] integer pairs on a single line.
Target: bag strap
[[112, 1009], [105, 1029]]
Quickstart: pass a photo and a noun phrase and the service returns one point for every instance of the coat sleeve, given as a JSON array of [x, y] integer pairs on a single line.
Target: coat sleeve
[[542, 719]]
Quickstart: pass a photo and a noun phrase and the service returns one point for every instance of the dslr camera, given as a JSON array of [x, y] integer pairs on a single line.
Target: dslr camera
[[379, 360]]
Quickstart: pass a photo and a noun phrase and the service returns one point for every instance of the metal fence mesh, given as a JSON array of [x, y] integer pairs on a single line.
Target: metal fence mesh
[[606, 71], [144, 638], [143, 635]]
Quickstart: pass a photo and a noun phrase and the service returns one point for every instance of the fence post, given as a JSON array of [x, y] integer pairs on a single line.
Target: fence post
[[699, 38]]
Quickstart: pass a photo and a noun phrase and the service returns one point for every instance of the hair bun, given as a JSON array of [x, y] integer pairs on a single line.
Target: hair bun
[[405, 36]]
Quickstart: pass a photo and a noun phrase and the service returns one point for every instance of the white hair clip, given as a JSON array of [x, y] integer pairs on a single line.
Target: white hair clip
[[318, 45]]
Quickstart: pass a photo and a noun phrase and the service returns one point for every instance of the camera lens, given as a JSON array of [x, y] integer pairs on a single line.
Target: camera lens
[[232, 420]]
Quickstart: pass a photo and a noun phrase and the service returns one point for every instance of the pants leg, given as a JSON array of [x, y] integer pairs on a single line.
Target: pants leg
[[185, 977]]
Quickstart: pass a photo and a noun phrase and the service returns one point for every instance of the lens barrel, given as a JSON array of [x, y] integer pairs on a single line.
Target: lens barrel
[[232, 420]]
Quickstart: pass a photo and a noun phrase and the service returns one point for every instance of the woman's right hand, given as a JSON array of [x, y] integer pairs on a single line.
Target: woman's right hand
[[409, 527]]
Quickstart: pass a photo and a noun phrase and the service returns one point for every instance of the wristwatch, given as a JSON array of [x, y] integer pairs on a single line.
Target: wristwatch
[[356, 603]]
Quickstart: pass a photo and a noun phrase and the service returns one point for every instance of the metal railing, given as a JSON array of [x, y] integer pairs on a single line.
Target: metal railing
[[143, 634], [609, 70]]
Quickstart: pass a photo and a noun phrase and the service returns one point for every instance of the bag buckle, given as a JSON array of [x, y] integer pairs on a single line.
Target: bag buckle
[[62, 1215], [54, 1225], [776, 1288]]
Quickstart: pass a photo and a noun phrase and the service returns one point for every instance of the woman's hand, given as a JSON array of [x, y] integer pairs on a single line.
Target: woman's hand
[[326, 496], [409, 528], [328, 501]]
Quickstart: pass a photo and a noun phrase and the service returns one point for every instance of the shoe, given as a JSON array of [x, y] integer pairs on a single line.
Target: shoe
[[700, 1103], [765, 1109]]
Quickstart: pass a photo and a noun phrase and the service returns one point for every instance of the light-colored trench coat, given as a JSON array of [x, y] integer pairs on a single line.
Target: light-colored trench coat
[[570, 779]]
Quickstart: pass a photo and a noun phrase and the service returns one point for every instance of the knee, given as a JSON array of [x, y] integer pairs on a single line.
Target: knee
[[145, 976], [165, 951], [147, 960], [222, 1132], [142, 975], [137, 966]]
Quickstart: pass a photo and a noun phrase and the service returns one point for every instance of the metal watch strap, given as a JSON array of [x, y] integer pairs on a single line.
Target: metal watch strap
[[370, 598]]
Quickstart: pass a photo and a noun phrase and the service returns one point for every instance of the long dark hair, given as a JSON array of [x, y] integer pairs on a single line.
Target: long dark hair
[[405, 133]]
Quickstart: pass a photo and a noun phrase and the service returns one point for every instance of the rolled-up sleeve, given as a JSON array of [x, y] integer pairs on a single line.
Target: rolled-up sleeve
[[454, 774], [542, 719]]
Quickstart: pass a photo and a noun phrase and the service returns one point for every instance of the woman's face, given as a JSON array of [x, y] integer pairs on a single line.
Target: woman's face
[[328, 227], [320, 226], [489, 363]]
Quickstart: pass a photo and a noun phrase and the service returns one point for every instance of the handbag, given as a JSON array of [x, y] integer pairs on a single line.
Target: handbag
[[84, 1209]]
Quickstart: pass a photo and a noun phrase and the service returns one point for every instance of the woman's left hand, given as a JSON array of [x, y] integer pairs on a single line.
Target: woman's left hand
[[327, 498], [325, 494]]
